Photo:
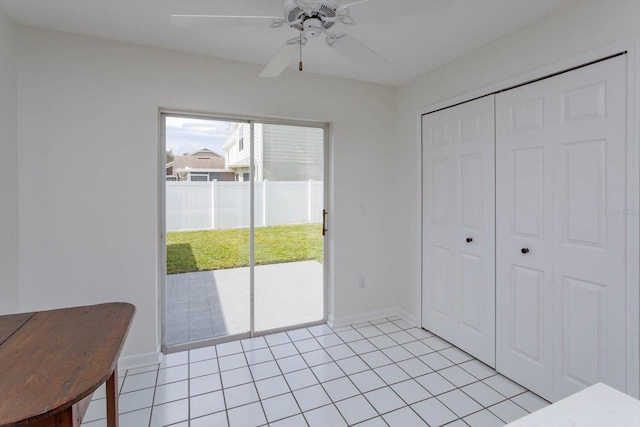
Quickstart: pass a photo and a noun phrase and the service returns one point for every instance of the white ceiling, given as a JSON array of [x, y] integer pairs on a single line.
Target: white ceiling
[[413, 44]]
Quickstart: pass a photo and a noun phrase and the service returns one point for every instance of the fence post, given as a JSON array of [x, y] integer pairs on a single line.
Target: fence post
[[265, 208], [309, 201], [214, 210]]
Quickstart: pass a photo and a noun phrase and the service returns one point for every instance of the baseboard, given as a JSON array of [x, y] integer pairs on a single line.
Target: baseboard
[[408, 317], [138, 360], [330, 321], [337, 322]]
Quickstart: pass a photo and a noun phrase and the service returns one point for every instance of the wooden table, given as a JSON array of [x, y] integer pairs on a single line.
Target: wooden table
[[52, 361]]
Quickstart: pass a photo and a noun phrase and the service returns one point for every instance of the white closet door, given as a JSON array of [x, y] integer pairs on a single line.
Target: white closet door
[[458, 226], [560, 197]]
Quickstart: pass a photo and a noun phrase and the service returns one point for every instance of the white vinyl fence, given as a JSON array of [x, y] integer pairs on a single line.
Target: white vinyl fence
[[225, 204]]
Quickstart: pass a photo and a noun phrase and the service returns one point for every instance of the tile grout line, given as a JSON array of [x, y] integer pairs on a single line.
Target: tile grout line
[[292, 342], [346, 376], [393, 362], [285, 380], [399, 341], [310, 368], [189, 386], [224, 398], [433, 371], [379, 414], [335, 361], [154, 394], [254, 382]]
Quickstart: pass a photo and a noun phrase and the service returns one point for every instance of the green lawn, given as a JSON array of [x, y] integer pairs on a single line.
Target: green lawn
[[189, 251]]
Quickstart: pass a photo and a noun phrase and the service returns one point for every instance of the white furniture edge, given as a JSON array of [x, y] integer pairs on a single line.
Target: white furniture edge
[[596, 406]]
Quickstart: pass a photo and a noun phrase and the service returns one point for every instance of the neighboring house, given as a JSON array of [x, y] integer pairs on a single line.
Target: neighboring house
[[236, 151], [282, 153], [203, 165]]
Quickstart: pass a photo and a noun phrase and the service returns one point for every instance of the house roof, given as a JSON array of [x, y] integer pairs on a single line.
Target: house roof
[[205, 152]]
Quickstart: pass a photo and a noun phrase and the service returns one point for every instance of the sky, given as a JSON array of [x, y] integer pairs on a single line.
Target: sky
[[187, 135]]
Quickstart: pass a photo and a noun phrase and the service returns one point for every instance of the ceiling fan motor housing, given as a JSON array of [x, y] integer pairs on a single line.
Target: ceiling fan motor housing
[[311, 21]]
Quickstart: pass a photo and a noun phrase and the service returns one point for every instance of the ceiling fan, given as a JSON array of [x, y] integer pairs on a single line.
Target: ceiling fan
[[315, 18]]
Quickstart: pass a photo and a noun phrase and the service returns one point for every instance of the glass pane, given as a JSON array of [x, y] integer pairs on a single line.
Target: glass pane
[[289, 197], [207, 225]]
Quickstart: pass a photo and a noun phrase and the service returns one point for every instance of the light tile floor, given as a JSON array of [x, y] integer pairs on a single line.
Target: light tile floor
[[379, 373]]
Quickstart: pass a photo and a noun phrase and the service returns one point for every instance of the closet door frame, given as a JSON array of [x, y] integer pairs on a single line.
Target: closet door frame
[[631, 48]]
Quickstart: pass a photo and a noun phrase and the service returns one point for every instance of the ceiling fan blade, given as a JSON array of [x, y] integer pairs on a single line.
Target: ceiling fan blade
[[283, 58], [355, 51], [364, 11], [351, 3], [226, 21]]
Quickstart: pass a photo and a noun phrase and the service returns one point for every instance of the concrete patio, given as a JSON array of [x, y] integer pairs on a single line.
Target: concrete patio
[[210, 304]]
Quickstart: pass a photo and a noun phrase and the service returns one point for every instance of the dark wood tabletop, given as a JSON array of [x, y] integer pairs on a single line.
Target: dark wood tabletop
[[50, 360], [11, 323]]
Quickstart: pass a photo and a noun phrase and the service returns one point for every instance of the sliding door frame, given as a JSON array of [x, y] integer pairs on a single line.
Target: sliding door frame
[[163, 113]]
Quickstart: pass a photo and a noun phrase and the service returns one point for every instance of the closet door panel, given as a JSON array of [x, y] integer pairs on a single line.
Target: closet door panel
[[523, 239], [458, 227], [471, 191], [471, 291], [561, 194], [584, 193], [590, 219], [527, 204], [439, 250], [441, 187], [440, 269], [583, 345], [526, 289], [475, 232]]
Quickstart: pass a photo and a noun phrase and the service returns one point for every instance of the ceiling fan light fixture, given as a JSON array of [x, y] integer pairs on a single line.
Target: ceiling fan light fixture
[[312, 27]]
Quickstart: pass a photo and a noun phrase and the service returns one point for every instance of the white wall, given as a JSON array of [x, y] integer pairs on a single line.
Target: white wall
[[88, 172], [8, 168], [581, 27]]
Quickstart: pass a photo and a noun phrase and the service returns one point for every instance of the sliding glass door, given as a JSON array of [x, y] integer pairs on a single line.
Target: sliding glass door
[[242, 213], [288, 204], [207, 292]]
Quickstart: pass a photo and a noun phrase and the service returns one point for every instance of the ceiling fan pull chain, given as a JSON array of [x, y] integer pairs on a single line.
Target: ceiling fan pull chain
[[300, 64]]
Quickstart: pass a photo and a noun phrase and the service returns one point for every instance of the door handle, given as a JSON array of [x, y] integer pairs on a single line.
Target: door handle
[[324, 222], [524, 250], [469, 240]]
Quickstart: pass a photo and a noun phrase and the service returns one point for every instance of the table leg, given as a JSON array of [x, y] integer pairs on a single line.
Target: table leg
[[66, 418], [112, 399]]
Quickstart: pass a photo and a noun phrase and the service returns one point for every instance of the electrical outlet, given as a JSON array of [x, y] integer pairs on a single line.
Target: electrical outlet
[[362, 282]]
